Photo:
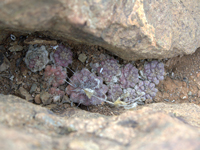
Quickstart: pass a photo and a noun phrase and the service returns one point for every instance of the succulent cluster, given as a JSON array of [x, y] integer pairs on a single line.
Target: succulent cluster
[[86, 88], [62, 56], [154, 71], [109, 70], [55, 75], [36, 58], [129, 77]]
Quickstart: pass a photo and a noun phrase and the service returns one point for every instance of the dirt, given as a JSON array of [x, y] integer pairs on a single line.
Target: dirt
[[181, 83]]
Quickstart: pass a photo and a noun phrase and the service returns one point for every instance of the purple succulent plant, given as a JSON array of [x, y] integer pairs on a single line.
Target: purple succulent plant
[[154, 71], [86, 88], [55, 75], [36, 58], [62, 56], [114, 92], [146, 90], [129, 77], [109, 70]]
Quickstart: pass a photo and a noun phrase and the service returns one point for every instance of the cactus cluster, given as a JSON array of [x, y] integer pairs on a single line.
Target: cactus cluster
[[107, 81]]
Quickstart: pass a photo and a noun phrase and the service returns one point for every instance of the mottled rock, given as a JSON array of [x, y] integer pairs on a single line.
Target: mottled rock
[[45, 98], [155, 126], [131, 29], [25, 94]]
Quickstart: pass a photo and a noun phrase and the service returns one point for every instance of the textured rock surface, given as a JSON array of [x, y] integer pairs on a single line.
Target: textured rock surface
[[131, 29], [29, 126]]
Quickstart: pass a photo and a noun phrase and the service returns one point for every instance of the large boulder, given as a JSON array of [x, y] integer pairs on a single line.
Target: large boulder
[[24, 125], [132, 29]]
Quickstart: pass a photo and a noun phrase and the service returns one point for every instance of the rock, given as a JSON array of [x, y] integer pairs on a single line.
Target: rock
[[45, 97], [15, 48], [40, 41], [33, 88], [24, 93], [82, 57], [37, 99], [130, 29], [4, 62], [167, 126]]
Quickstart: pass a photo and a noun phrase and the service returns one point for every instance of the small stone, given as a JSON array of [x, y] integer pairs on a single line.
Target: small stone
[[189, 93], [65, 99], [15, 48], [82, 57], [40, 41], [24, 93], [37, 99], [45, 97], [4, 62], [183, 96], [33, 88]]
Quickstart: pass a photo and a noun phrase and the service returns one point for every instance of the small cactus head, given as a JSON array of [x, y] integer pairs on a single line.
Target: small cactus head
[[129, 77], [55, 75], [154, 71], [146, 90], [62, 56], [109, 70], [36, 58], [86, 88]]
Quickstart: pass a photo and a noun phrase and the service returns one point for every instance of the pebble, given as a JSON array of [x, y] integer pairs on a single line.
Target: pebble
[[15, 48], [37, 99], [189, 93], [4, 63], [45, 97], [82, 57], [65, 99], [33, 88], [25, 94]]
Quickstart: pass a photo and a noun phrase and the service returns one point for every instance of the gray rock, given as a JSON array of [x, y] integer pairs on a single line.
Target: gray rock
[[30, 126], [33, 88], [130, 29]]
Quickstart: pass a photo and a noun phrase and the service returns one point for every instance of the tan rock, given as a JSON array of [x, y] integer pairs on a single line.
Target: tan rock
[[155, 126], [130, 29]]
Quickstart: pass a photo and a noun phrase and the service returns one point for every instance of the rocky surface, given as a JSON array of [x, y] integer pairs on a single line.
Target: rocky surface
[[157, 126], [130, 29]]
